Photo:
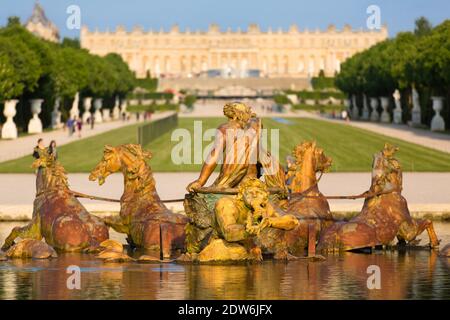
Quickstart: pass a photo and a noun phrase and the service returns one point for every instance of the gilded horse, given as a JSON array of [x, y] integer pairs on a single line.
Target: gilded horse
[[58, 216], [384, 216], [306, 202], [144, 218]]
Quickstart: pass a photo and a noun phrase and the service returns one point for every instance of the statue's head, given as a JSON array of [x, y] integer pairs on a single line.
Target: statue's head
[[386, 169], [238, 112], [389, 150], [254, 193], [127, 158]]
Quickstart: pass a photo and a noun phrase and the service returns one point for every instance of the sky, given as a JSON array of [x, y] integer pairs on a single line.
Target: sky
[[398, 15]]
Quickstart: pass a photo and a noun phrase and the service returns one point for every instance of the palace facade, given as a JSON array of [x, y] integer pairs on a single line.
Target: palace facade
[[227, 54]]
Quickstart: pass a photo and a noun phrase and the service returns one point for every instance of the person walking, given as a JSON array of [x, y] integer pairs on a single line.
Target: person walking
[[52, 149], [70, 126], [79, 124]]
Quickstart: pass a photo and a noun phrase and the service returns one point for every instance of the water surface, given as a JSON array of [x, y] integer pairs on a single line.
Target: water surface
[[418, 274]]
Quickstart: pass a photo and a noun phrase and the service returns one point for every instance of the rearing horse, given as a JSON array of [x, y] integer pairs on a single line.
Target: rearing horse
[[385, 213], [306, 202], [57, 215], [143, 216]]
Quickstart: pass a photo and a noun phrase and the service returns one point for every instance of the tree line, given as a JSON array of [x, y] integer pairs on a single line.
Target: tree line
[[419, 59], [31, 67]]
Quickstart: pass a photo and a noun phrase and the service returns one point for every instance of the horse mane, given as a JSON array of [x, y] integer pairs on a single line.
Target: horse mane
[[55, 169]]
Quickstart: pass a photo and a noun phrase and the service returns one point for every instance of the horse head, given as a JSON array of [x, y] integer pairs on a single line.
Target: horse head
[[309, 159], [386, 170], [128, 159]]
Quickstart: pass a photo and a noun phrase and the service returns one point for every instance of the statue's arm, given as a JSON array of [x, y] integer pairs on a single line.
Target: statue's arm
[[210, 163]]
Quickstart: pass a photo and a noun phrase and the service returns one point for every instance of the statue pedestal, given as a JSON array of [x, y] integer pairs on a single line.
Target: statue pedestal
[[97, 114], [375, 115], [437, 123], [87, 104], [35, 124], [385, 116], [106, 115], [9, 129]]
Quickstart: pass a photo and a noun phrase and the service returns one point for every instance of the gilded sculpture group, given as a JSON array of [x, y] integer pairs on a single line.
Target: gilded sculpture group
[[248, 214]]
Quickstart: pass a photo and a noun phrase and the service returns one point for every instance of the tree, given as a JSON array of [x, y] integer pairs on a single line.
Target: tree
[[71, 43], [423, 27], [10, 86]]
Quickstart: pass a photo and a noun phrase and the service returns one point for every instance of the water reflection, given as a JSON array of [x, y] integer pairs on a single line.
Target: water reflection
[[404, 275]]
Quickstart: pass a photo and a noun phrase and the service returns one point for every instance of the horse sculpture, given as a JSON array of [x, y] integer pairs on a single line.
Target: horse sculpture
[[58, 216], [384, 216], [143, 216], [306, 202]]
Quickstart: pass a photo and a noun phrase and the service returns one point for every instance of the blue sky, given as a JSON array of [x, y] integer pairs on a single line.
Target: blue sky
[[399, 15]]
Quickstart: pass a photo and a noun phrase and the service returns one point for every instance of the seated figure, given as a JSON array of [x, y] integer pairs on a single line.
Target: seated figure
[[243, 223]]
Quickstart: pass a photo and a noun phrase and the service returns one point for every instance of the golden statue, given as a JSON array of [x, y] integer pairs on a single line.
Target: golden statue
[[237, 147], [240, 222], [384, 216], [144, 218], [58, 216], [306, 202]]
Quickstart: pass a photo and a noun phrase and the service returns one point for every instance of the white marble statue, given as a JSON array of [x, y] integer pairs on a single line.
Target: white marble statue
[[365, 111], [97, 114], [398, 112], [87, 105], [35, 124], [106, 114], [116, 110], [355, 109], [437, 123], [56, 114], [385, 116], [375, 115], [416, 112], [75, 111], [9, 129]]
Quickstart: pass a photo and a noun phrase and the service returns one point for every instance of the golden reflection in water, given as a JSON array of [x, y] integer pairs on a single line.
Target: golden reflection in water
[[404, 275]]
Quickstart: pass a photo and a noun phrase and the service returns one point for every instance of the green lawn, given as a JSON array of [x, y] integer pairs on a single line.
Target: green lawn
[[351, 148]]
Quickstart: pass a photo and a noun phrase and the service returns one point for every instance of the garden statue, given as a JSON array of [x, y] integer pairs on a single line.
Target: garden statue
[[384, 216], [237, 147], [56, 114], [306, 202], [143, 216], [416, 116], [58, 216], [74, 111], [244, 226], [398, 112]]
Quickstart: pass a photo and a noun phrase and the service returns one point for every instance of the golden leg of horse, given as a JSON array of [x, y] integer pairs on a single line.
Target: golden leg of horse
[[30, 231], [117, 224], [434, 241], [311, 240]]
